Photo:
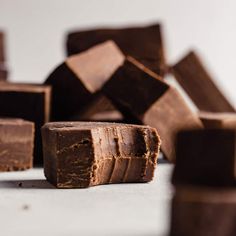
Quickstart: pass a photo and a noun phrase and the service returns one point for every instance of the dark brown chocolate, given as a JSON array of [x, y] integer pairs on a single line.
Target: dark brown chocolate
[[203, 212], [218, 120], [16, 144], [143, 43], [142, 96], [199, 85], [84, 154], [80, 77], [30, 102], [206, 157]]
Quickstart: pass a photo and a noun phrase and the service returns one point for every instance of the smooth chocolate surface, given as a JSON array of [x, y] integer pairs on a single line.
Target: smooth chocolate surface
[[206, 157], [84, 154], [142, 96], [16, 144], [218, 120], [30, 102], [203, 212], [143, 43], [198, 84], [80, 77]]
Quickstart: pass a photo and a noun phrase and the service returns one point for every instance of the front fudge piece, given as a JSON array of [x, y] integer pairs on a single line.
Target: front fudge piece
[[142, 96], [80, 77], [203, 212], [200, 87], [29, 102], [218, 120], [143, 43], [16, 144], [205, 157], [84, 154]]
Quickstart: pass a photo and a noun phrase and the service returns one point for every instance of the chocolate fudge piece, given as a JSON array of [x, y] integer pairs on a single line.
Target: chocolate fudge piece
[[30, 102], [199, 85], [84, 154], [205, 157], [16, 144], [80, 77], [143, 43], [203, 212], [3, 68], [218, 120], [142, 96]]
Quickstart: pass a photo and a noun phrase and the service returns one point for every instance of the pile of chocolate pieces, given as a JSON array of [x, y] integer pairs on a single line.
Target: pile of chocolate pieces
[[103, 114]]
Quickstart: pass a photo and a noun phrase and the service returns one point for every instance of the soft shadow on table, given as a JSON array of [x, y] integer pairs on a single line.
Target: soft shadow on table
[[26, 184]]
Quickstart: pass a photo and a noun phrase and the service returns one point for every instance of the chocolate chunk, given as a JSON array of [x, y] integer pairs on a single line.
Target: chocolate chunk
[[30, 102], [143, 43], [142, 96], [205, 157], [203, 211], [76, 81], [198, 84], [16, 144], [84, 154], [3, 68], [218, 120]]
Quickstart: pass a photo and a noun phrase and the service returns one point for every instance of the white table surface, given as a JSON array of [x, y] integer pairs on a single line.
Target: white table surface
[[38, 209]]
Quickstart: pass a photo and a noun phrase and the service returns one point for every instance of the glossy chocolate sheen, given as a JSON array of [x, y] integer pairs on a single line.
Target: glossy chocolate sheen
[[76, 82], [218, 120], [203, 212], [30, 102], [84, 154], [16, 144], [206, 157], [143, 43], [198, 84], [142, 96]]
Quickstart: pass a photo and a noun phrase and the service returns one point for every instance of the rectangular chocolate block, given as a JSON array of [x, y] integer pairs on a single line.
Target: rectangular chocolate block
[[218, 120], [143, 43], [16, 144], [199, 85], [84, 154], [30, 102], [206, 157], [203, 212], [80, 77], [142, 96]]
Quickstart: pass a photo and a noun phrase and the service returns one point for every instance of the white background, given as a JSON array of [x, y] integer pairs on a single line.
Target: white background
[[36, 31]]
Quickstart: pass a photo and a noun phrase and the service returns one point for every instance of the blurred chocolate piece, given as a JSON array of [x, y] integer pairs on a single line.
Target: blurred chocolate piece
[[205, 157], [3, 68], [218, 120], [143, 43], [198, 84], [84, 154], [203, 211], [16, 144], [30, 102], [80, 77], [142, 96]]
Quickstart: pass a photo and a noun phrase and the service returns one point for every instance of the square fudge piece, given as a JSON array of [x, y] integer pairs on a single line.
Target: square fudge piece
[[16, 144], [84, 154]]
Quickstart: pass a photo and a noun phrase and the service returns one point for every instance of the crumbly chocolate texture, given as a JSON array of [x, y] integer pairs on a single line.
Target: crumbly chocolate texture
[[205, 157], [84, 154], [16, 144], [203, 211], [143, 43], [198, 84], [142, 96], [29, 102], [80, 77], [218, 120]]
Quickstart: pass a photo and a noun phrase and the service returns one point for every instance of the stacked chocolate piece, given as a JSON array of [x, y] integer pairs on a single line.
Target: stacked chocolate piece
[[3, 68]]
